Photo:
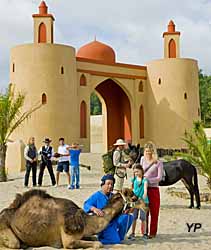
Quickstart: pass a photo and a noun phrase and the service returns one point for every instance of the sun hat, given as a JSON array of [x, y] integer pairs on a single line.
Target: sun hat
[[47, 140], [119, 142]]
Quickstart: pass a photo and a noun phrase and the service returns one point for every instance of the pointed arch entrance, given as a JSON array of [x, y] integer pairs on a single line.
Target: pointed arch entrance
[[118, 111]]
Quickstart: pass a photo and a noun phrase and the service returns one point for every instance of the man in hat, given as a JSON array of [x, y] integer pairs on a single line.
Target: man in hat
[[120, 164], [47, 153], [116, 230]]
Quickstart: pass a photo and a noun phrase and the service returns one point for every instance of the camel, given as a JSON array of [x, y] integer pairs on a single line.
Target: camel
[[37, 219]]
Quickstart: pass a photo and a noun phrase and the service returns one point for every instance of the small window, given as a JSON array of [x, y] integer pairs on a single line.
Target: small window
[[13, 67], [159, 81], [185, 96], [44, 98], [62, 70], [141, 87], [83, 80]]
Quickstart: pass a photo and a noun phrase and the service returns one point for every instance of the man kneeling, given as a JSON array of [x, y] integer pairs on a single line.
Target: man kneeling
[[116, 230]]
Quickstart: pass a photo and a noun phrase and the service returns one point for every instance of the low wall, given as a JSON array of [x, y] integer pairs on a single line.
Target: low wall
[[15, 161]]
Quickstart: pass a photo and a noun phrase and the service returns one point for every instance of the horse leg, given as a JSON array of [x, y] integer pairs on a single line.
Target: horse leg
[[196, 189], [188, 184]]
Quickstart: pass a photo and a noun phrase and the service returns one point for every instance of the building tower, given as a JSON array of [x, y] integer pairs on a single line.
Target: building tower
[[43, 25], [171, 42]]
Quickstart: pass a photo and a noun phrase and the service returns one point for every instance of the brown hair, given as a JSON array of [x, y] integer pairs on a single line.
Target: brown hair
[[138, 167]]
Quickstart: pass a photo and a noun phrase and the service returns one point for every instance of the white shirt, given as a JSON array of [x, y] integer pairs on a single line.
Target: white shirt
[[62, 149]]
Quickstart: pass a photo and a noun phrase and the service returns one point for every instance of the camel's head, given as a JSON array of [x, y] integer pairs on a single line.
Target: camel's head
[[125, 200], [131, 201]]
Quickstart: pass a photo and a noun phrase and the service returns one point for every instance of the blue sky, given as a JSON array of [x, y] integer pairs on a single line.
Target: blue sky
[[132, 28]]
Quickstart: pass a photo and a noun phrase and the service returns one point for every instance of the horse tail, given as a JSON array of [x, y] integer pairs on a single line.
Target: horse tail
[[196, 187]]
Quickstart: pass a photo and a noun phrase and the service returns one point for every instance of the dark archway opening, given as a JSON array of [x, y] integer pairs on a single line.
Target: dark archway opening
[[118, 111]]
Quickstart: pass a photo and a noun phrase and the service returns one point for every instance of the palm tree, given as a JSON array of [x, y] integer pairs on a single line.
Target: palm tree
[[199, 150], [11, 116]]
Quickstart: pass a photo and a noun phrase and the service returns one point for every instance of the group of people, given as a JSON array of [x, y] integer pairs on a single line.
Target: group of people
[[68, 161], [147, 175], [145, 184]]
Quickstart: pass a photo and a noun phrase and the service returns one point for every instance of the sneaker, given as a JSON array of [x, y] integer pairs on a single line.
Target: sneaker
[[77, 187], [70, 187], [55, 185], [131, 237], [145, 237]]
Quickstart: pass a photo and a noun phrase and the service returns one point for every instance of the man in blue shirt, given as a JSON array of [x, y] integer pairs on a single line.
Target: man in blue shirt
[[116, 230], [74, 152]]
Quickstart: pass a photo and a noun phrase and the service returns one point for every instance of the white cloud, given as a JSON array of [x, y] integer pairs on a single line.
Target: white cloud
[[133, 28]]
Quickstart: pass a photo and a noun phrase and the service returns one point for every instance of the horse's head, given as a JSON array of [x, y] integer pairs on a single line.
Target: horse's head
[[135, 152]]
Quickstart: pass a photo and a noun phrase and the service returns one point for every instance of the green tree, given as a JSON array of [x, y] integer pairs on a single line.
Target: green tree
[[95, 105], [199, 150], [205, 98], [11, 116]]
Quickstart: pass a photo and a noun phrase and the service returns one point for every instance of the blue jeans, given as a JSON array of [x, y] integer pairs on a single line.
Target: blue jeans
[[75, 176], [116, 230]]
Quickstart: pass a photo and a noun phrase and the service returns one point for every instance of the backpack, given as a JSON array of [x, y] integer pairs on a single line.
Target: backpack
[[108, 165]]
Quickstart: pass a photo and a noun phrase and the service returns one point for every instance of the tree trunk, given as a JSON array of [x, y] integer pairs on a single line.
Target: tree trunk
[[3, 176]]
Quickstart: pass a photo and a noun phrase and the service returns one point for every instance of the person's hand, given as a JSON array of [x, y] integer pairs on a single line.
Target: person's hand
[[128, 165], [144, 197], [97, 211], [31, 160]]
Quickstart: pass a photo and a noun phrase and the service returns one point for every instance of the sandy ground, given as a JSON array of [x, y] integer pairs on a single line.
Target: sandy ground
[[174, 214]]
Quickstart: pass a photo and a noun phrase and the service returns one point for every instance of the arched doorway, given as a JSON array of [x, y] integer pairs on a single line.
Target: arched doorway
[[118, 111]]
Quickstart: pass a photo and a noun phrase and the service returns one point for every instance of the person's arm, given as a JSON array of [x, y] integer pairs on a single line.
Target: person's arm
[[145, 189], [157, 178], [26, 150], [36, 157], [52, 154], [90, 205]]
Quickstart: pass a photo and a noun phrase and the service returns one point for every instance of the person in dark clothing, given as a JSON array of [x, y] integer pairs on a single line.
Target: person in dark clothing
[[47, 153], [30, 154]]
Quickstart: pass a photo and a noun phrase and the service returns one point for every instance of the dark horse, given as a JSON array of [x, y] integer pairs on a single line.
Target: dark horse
[[173, 172]]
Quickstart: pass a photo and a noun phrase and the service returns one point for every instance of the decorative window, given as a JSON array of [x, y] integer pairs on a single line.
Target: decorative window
[[159, 81], [44, 98], [83, 119], [42, 37], [141, 86], [62, 70], [83, 80], [185, 96], [13, 67], [141, 121]]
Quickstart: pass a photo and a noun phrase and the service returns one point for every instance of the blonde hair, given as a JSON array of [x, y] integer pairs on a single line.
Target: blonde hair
[[30, 139], [151, 146]]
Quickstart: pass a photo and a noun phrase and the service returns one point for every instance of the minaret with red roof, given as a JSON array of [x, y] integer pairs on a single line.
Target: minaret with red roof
[[43, 25], [171, 42]]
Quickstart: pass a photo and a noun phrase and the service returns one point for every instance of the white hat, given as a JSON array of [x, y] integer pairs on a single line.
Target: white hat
[[119, 142]]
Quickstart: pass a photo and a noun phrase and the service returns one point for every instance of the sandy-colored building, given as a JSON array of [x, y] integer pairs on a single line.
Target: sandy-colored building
[[156, 102]]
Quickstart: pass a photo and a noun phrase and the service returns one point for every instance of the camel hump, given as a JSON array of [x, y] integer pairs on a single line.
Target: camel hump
[[74, 222], [21, 199]]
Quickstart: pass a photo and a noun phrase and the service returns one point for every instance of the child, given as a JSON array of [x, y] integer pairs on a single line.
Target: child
[[74, 152], [139, 185]]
